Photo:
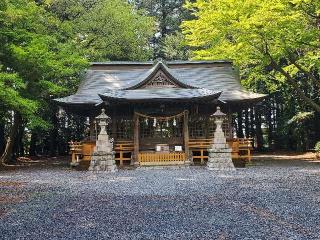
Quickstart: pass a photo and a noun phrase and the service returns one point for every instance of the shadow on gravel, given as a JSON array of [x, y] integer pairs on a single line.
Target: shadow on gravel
[[43, 163]]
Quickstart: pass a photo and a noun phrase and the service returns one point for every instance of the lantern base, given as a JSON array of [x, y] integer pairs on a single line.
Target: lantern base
[[220, 159], [103, 161]]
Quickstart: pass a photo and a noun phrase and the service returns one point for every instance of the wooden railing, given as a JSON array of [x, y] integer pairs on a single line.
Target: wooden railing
[[161, 158], [241, 148]]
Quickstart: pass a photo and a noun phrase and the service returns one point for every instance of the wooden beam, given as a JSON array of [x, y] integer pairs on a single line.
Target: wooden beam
[[186, 133], [136, 139]]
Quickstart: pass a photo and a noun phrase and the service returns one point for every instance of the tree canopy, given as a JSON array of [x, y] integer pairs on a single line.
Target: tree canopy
[[107, 29], [36, 60], [168, 15], [45, 47], [276, 40]]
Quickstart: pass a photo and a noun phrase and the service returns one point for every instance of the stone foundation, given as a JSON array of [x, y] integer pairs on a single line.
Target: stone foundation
[[220, 159], [103, 161]]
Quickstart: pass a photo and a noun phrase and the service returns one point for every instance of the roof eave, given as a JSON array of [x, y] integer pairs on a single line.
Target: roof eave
[[200, 98]]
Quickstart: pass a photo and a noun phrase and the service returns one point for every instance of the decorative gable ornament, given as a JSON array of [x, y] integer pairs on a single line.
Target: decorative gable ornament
[[159, 80]]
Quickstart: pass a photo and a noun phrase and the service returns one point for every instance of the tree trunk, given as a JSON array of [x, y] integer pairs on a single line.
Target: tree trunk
[[7, 154], [18, 148], [294, 84], [2, 138], [270, 126], [33, 144], [306, 72], [316, 126], [54, 135]]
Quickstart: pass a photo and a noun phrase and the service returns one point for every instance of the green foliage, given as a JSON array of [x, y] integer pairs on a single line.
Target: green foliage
[[36, 61], [10, 97], [175, 48], [275, 45], [317, 147], [301, 118], [107, 29], [168, 15], [69, 10], [276, 40], [45, 46]]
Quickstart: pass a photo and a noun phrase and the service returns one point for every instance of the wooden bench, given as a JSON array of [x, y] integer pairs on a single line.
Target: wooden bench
[[245, 148], [75, 151], [123, 148], [200, 146], [84, 150], [87, 150]]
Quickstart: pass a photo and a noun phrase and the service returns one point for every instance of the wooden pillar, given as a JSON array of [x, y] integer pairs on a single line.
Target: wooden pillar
[[136, 139], [114, 126], [206, 123], [186, 133], [229, 130], [92, 127]]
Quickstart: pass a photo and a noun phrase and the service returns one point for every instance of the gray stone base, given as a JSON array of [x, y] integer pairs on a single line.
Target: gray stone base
[[103, 161], [74, 164], [220, 159]]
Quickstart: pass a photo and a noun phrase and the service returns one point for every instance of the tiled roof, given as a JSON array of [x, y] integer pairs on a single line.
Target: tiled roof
[[217, 76]]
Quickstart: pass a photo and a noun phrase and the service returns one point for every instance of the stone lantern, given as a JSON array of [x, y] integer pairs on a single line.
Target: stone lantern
[[102, 158], [220, 157]]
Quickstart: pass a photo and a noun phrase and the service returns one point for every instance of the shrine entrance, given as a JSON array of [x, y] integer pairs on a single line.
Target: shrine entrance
[[161, 140]]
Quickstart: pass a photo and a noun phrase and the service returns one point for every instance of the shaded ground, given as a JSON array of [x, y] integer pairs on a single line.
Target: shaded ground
[[270, 200]]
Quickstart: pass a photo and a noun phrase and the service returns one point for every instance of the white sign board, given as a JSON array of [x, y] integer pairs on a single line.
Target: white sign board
[[178, 148]]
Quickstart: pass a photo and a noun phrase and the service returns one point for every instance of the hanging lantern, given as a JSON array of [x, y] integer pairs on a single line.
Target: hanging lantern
[[174, 122], [146, 121], [87, 122], [61, 112], [154, 122]]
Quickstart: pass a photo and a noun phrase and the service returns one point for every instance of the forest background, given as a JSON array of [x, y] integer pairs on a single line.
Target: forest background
[[46, 46]]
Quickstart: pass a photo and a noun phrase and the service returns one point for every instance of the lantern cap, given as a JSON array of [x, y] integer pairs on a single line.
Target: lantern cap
[[103, 115], [218, 113]]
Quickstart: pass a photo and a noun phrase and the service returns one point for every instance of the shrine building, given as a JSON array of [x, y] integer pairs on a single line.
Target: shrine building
[[160, 111]]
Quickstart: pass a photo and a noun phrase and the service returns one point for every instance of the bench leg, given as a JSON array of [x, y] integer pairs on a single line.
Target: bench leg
[[201, 155]]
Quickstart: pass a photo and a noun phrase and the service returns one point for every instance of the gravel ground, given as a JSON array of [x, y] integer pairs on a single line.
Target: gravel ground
[[270, 200]]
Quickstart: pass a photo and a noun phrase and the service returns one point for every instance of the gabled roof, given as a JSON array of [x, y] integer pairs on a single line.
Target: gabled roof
[[106, 79], [152, 72]]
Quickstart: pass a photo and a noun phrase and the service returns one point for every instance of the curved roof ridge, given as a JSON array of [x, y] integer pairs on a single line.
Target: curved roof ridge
[[151, 72], [157, 94]]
